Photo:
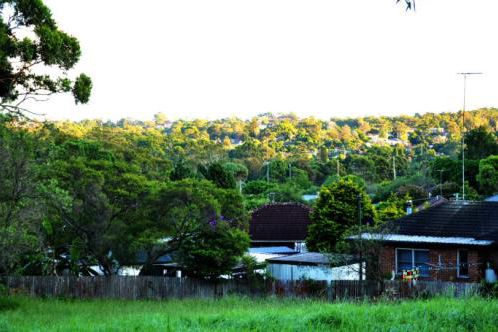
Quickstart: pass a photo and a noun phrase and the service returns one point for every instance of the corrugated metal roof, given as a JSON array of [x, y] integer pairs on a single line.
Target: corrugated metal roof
[[272, 250], [313, 258], [492, 198], [423, 239]]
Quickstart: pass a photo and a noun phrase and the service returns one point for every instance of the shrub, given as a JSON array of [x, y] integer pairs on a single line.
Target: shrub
[[489, 290], [8, 303]]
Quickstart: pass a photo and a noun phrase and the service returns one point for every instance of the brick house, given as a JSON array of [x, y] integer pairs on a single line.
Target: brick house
[[454, 241], [280, 224]]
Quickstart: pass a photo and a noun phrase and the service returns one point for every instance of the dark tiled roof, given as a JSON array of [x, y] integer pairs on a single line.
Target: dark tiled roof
[[280, 222], [433, 201], [141, 258], [477, 220]]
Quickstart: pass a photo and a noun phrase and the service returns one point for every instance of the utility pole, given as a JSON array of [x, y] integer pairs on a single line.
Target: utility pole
[[267, 163], [463, 127], [394, 167], [290, 171], [440, 181], [337, 163], [360, 217]]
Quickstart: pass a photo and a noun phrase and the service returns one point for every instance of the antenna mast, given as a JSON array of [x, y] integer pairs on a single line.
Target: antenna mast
[[463, 127]]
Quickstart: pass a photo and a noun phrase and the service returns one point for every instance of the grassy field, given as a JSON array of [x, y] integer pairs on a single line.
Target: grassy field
[[242, 314]]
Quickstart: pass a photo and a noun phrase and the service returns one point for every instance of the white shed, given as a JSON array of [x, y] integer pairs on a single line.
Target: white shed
[[314, 266]]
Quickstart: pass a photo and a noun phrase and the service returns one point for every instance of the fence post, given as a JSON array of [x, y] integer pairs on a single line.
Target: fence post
[[330, 290]]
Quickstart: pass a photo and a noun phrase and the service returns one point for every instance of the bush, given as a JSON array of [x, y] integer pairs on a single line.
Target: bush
[[3, 290], [8, 303], [489, 290]]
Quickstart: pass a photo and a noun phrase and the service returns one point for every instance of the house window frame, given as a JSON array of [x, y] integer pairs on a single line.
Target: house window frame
[[413, 258], [459, 275]]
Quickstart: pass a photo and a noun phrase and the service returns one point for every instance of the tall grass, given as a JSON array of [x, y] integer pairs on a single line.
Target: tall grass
[[243, 314]]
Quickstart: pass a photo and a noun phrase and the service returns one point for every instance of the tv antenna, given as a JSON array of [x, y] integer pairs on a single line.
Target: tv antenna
[[463, 126]]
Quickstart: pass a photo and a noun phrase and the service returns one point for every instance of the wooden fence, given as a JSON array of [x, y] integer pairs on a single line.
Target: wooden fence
[[121, 287]]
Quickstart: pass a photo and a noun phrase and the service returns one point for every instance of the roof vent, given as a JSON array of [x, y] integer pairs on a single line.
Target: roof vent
[[409, 207]]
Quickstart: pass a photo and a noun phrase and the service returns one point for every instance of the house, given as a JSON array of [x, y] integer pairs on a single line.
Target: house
[[314, 266], [453, 241], [163, 265], [280, 224]]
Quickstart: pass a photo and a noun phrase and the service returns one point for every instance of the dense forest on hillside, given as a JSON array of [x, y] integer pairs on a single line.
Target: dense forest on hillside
[[286, 156], [76, 194]]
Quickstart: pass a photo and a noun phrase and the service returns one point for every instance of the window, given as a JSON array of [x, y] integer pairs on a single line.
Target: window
[[407, 259], [463, 264]]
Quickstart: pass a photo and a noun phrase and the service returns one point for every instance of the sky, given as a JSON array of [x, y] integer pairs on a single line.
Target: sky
[[323, 58]]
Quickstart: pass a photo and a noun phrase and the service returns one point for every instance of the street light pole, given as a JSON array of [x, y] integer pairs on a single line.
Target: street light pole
[[463, 127]]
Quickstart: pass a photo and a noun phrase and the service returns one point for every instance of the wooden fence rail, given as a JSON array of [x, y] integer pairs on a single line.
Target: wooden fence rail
[[121, 287]]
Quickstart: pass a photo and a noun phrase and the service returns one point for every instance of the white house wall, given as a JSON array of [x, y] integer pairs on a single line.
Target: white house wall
[[296, 272], [260, 258]]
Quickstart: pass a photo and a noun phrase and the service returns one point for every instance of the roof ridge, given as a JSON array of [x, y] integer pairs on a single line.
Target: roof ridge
[[307, 207]]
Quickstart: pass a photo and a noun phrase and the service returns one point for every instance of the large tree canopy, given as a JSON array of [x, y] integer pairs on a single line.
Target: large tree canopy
[[201, 223], [480, 143], [488, 175], [339, 208], [32, 45]]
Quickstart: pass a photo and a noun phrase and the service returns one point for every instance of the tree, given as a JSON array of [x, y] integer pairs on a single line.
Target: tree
[[220, 176], [182, 170], [446, 189], [160, 119], [338, 209], [180, 213], [488, 175], [238, 171], [413, 191], [106, 197], [392, 209], [480, 143], [214, 249], [410, 4], [361, 166], [21, 207], [22, 53]]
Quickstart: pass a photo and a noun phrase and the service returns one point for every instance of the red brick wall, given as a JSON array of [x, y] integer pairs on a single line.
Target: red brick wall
[[448, 256]]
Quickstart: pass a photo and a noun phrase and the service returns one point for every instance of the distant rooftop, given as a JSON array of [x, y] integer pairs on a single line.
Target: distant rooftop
[[310, 197]]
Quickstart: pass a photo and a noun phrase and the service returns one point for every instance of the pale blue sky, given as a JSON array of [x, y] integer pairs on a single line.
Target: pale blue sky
[[214, 58]]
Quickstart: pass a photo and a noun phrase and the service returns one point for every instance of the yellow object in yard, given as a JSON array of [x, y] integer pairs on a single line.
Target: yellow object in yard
[[410, 275]]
